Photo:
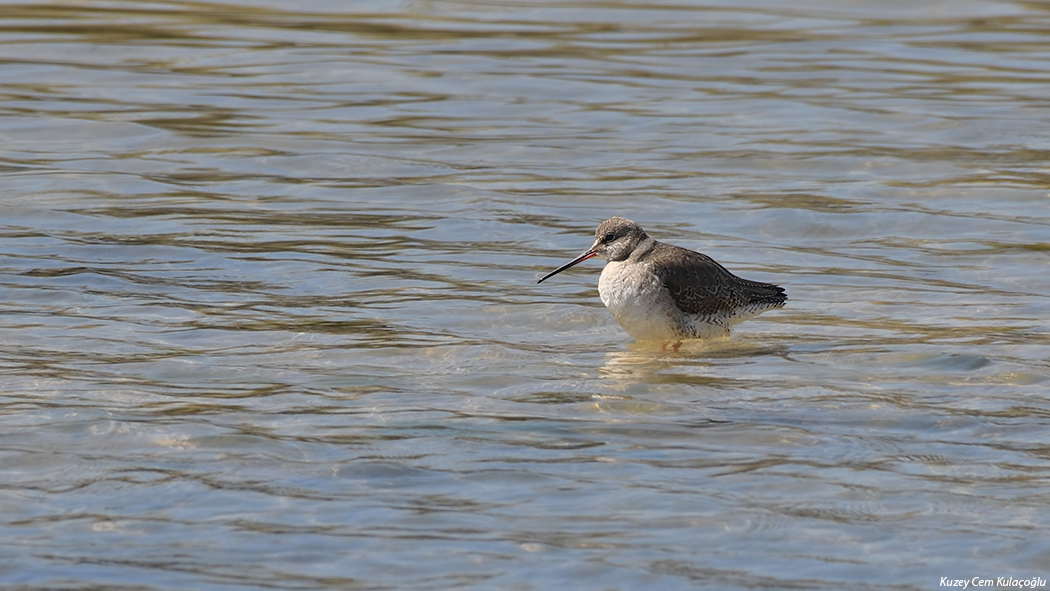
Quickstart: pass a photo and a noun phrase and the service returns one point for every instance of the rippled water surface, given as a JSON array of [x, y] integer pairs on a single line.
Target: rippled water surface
[[270, 319]]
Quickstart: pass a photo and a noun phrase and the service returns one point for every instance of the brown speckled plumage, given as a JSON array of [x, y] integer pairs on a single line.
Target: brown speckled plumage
[[699, 285]]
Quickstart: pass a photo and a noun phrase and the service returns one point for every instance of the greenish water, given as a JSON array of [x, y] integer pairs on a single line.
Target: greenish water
[[269, 312]]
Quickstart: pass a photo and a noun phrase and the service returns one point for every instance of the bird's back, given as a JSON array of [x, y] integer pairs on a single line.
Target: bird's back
[[705, 290]]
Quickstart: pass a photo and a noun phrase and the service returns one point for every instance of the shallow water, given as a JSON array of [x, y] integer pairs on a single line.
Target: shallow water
[[270, 315]]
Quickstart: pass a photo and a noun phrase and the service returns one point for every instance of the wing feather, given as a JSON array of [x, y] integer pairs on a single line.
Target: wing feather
[[699, 285]]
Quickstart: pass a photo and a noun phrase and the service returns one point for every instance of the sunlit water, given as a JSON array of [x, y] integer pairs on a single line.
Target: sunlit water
[[270, 315]]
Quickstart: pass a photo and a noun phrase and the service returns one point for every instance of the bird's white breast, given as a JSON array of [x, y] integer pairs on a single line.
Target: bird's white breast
[[638, 300]]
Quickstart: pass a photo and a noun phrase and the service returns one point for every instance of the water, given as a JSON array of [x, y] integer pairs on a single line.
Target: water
[[270, 315]]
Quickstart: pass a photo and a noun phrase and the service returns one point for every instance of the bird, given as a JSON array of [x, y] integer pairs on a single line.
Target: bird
[[662, 292]]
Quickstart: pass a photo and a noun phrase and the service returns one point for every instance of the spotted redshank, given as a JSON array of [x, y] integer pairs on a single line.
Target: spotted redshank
[[661, 292]]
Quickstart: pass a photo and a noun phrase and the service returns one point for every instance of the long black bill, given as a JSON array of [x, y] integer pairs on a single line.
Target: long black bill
[[572, 263]]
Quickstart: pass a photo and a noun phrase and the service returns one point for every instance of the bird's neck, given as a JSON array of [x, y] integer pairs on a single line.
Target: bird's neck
[[643, 249]]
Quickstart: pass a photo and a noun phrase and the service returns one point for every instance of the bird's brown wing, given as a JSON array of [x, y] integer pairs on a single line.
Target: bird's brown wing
[[699, 285]]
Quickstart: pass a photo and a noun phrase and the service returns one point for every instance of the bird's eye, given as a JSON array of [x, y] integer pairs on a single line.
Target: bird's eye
[[609, 237]]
